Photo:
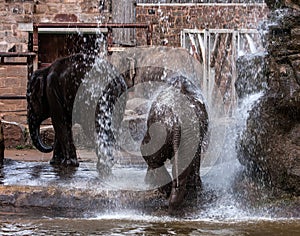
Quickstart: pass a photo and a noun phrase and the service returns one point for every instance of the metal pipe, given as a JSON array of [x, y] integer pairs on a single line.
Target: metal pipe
[[91, 25]]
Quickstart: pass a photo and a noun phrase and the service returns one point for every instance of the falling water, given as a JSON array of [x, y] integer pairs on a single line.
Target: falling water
[[222, 214], [220, 175]]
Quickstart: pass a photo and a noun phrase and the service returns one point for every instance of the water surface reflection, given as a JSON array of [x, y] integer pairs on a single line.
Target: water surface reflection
[[144, 225]]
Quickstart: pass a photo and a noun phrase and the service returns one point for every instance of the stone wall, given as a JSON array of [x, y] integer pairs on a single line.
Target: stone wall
[[13, 81], [16, 18], [169, 19], [14, 14]]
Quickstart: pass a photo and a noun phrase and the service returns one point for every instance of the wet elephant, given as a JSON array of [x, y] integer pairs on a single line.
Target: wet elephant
[[176, 126], [50, 94]]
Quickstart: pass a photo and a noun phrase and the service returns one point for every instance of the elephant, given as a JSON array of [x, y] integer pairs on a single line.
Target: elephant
[[51, 93], [176, 127]]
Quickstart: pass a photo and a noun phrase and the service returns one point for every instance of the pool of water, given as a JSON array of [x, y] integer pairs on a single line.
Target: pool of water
[[221, 215], [134, 224]]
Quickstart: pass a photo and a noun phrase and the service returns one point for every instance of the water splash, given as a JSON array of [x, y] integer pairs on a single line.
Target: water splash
[[220, 176]]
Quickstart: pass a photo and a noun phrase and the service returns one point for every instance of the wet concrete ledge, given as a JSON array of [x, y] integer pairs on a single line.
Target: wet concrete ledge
[[77, 201], [30, 186]]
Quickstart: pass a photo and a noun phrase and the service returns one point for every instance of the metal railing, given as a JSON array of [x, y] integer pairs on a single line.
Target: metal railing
[[217, 50]]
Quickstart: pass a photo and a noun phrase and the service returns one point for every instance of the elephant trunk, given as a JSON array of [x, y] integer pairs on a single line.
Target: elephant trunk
[[34, 128]]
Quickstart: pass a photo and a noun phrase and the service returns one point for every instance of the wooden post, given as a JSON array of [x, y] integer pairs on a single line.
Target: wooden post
[[149, 34], [1, 145], [123, 12], [29, 66]]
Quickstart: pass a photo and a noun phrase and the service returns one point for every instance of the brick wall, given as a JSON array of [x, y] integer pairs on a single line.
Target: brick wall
[[15, 17], [13, 81], [169, 20]]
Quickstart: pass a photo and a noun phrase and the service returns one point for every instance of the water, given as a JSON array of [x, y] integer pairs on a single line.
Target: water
[[81, 203], [118, 206], [131, 224]]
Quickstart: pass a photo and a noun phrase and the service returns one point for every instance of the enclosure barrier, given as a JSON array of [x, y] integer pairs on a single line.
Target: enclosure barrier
[[217, 50]]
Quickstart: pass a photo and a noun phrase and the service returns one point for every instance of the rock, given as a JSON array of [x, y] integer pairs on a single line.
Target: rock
[[80, 139], [2, 147], [15, 134], [79, 201], [270, 144], [250, 74], [274, 4]]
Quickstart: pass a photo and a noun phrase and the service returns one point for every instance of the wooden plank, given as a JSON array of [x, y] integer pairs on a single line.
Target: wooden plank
[[123, 12]]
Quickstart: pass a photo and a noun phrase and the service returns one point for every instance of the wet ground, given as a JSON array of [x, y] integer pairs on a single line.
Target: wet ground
[[133, 224], [38, 199]]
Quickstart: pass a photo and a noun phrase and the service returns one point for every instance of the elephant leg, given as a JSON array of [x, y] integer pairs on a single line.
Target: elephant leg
[[185, 167], [155, 156], [60, 110], [157, 175], [194, 181], [57, 154], [65, 151], [179, 190]]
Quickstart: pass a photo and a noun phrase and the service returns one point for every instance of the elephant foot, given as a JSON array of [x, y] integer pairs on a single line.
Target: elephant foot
[[72, 162], [55, 161], [176, 198], [64, 162], [194, 185]]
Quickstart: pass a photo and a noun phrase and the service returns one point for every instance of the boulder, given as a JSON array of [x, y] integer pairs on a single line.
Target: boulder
[[80, 139], [270, 144], [250, 74], [15, 134]]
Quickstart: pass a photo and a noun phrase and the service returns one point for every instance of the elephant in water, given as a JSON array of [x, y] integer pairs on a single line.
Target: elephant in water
[[51, 93], [176, 126]]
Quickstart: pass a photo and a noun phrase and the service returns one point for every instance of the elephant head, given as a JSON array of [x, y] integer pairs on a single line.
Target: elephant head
[[37, 107]]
